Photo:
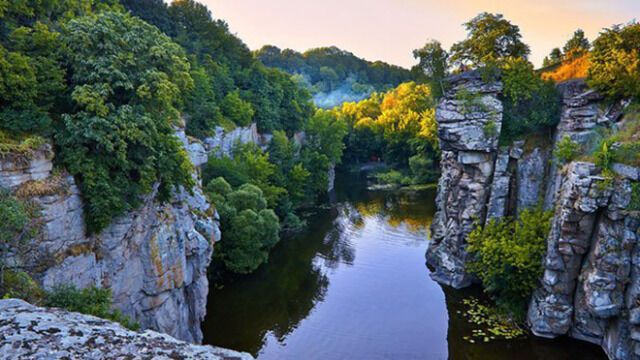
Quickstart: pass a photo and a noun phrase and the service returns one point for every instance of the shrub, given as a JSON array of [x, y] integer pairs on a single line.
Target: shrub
[[507, 257], [91, 301], [566, 150], [19, 285], [19, 222]]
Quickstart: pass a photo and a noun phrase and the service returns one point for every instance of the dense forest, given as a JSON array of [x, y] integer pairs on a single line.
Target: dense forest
[[334, 76]]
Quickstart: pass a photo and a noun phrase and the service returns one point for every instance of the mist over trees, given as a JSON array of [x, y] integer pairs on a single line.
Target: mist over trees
[[332, 75]]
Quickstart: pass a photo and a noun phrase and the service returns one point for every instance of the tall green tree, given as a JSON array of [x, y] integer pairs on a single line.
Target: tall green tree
[[490, 38], [433, 61], [555, 57], [118, 141], [577, 45]]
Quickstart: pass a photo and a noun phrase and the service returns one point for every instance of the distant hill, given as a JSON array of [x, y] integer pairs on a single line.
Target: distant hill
[[334, 76]]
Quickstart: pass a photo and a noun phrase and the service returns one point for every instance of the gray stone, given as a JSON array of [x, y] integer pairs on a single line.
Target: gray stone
[[629, 172], [468, 160], [30, 332]]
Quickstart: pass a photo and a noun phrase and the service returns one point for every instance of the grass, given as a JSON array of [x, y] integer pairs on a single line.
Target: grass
[[55, 185], [576, 68], [19, 148]]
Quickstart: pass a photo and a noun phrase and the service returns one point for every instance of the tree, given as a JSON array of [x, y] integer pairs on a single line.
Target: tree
[[490, 38], [325, 134], [432, 59], [530, 103], [118, 141], [555, 57], [614, 69], [577, 45], [249, 229], [237, 110]]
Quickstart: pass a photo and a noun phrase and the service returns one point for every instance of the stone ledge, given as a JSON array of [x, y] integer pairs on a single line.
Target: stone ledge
[[28, 332]]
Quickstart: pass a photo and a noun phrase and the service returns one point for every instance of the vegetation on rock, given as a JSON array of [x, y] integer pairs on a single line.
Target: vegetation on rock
[[90, 300], [507, 257]]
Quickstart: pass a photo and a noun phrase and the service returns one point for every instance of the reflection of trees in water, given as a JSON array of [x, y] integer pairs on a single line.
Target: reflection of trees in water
[[277, 297], [273, 299], [412, 209]]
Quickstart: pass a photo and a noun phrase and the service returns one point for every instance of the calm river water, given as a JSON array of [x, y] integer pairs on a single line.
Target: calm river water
[[355, 286]]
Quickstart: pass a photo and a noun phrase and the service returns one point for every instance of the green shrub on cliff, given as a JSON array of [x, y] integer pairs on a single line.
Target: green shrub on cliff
[[19, 222], [566, 150], [507, 257], [90, 300], [118, 141]]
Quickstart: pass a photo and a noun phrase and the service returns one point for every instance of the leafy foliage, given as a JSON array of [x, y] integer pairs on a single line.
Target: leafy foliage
[[530, 103], [566, 150], [332, 75], [19, 222], [614, 59], [249, 229], [395, 125], [91, 301], [433, 62], [118, 140], [507, 256], [230, 84], [490, 39]]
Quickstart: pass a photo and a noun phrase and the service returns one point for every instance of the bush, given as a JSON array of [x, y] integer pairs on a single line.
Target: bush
[[507, 256], [91, 301], [19, 285], [566, 150]]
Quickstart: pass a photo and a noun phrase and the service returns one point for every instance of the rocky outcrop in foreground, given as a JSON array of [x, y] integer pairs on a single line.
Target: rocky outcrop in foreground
[[154, 259], [590, 289], [30, 332]]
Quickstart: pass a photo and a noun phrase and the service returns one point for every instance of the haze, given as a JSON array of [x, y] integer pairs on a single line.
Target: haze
[[389, 30]]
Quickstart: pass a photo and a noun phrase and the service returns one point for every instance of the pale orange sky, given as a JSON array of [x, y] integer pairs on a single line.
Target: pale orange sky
[[389, 30]]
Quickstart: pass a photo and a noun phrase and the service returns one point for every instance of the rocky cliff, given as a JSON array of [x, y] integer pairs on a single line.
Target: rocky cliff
[[30, 332], [469, 151], [591, 285], [154, 259]]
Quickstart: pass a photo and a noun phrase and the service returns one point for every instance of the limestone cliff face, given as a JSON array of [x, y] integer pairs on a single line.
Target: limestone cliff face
[[469, 151], [30, 332], [591, 285], [154, 259]]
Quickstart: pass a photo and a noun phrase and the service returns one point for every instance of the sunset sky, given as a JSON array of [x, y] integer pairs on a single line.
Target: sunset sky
[[389, 30]]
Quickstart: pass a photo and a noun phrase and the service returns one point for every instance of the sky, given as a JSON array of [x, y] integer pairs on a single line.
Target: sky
[[389, 30]]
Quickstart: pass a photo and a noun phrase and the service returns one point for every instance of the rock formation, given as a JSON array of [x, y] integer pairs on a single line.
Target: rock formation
[[591, 284], [468, 130], [154, 259], [30, 332]]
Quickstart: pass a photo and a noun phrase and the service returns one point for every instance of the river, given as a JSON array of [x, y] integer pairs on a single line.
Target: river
[[354, 285]]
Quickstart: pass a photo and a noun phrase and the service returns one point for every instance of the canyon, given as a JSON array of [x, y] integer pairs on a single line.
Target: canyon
[[589, 289]]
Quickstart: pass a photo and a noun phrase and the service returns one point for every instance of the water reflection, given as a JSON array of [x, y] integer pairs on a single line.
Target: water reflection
[[354, 286]]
